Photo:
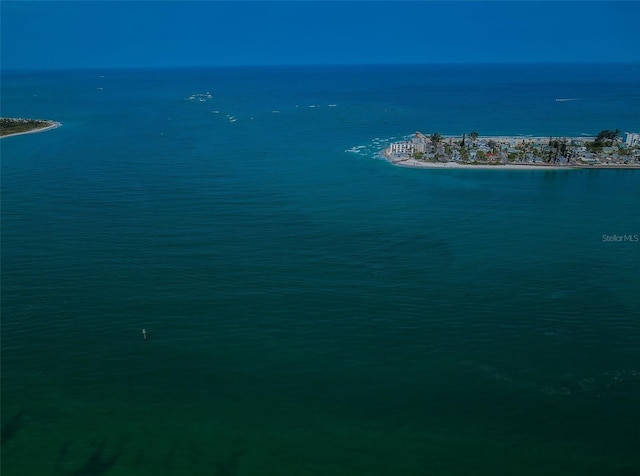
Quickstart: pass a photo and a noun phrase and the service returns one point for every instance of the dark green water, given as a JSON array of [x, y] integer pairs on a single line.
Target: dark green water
[[310, 312]]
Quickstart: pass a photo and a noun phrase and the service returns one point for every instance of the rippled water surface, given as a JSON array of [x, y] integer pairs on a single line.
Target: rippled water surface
[[311, 309]]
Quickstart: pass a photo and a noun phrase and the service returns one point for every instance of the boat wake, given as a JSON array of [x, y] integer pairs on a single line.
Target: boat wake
[[200, 97]]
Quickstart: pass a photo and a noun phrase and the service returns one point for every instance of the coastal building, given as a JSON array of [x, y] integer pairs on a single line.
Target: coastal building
[[419, 144], [632, 139], [401, 148]]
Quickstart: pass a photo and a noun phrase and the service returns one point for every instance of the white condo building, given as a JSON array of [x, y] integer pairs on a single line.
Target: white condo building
[[632, 139], [402, 148]]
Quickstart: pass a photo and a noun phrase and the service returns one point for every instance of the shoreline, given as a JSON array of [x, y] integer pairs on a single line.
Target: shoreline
[[416, 164], [52, 125]]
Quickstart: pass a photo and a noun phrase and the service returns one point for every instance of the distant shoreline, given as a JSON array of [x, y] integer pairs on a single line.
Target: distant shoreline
[[45, 126], [510, 153]]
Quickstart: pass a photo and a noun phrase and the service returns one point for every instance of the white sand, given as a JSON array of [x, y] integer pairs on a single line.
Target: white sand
[[54, 125], [454, 165], [413, 163]]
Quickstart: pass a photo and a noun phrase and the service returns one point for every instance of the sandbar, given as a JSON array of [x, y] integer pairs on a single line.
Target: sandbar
[[49, 126]]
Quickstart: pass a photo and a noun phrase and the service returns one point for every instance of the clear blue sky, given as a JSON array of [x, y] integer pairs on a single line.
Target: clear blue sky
[[101, 34]]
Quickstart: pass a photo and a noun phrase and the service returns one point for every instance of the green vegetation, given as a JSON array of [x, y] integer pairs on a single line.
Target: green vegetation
[[608, 137], [603, 139], [15, 126], [435, 138], [595, 147], [557, 148]]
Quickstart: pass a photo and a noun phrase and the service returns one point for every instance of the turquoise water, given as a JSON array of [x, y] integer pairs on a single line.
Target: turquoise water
[[313, 311]]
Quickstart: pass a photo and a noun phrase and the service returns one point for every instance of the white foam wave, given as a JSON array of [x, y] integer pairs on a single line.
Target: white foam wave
[[373, 149], [357, 149]]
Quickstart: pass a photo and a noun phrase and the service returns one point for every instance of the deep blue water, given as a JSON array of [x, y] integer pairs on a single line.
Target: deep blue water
[[313, 311]]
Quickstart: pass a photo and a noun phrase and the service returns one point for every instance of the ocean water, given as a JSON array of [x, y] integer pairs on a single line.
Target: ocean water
[[310, 310]]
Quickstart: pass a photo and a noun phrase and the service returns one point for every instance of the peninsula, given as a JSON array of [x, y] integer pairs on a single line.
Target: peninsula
[[11, 126], [606, 150]]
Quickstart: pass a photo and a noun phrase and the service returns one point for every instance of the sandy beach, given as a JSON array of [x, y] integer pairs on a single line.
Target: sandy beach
[[413, 163], [53, 125]]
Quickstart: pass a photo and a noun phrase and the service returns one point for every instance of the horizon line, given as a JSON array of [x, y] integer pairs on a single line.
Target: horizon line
[[316, 65]]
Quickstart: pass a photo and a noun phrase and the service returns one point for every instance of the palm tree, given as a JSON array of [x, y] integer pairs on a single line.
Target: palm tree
[[435, 139]]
